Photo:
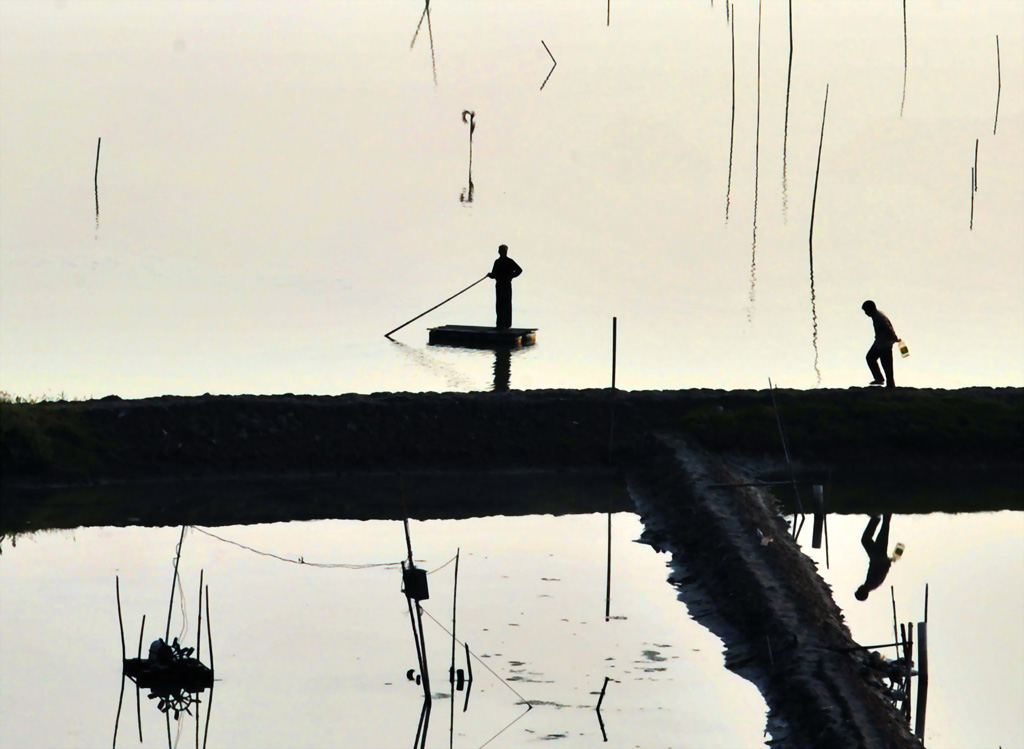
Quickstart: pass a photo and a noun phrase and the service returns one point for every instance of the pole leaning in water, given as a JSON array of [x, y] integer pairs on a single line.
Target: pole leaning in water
[[388, 334]]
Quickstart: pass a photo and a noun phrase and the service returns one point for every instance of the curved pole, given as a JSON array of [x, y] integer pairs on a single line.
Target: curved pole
[[388, 334]]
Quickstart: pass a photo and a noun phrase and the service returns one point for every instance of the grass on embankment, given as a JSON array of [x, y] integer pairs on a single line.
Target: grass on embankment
[[53, 441]]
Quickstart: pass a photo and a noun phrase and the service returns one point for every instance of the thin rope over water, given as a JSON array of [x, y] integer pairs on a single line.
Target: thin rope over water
[[300, 560], [480, 661]]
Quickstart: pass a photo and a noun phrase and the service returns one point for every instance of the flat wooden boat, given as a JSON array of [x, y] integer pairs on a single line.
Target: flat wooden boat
[[476, 336]]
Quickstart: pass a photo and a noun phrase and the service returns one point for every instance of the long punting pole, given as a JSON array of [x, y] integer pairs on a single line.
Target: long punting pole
[[395, 330]]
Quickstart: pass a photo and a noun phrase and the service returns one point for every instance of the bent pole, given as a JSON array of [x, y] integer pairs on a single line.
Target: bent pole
[[388, 334]]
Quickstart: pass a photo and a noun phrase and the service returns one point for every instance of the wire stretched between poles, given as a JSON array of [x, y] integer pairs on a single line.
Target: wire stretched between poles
[[388, 334]]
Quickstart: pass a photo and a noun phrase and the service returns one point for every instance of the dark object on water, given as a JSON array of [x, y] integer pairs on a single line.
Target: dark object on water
[[476, 336], [169, 666]]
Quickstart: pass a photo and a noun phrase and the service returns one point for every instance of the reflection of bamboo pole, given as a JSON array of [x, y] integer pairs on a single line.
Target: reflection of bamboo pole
[[904, 99], [972, 199], [785, 127], [895, 632], [974, 180], [732, 121], [608, 575], [174, 580], [922, 677], [601, 698], [209, 635], [999, 90], [120, 623], [96, 177], [199, 624], [909, 657], [817, 170]]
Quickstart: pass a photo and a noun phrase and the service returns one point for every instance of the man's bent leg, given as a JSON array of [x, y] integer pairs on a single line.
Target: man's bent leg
[[886, 356], [872, 360]]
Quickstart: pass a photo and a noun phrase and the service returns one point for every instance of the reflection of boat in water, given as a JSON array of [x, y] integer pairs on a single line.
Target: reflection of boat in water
[[477, 336], [169, 667]]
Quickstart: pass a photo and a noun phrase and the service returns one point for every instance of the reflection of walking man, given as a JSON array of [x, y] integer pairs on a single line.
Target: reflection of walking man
[[881, 349], [879, 561], [503, 271]]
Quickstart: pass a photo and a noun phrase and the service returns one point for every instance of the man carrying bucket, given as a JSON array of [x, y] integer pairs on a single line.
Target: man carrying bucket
[[881, 349]]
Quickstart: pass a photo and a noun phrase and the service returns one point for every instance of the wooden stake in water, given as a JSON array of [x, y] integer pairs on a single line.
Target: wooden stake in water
[[810, 241], [96, 178], [999, 90], [974, 174], [615, 339], [785, 127], [732, 121], [757, 161], [904, 99], [972, 199]]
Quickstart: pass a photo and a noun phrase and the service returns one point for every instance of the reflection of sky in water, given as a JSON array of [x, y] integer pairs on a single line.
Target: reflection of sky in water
[[279, 187], [302, 641], [973, 565], [324, 652]]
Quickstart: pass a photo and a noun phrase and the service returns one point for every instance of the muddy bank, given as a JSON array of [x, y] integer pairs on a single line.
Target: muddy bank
[[765, 600]]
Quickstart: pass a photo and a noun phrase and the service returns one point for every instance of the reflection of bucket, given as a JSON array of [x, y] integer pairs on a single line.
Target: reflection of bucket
[[898, 552]]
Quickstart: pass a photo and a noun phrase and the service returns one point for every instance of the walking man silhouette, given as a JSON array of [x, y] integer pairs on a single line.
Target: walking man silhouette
[[881, 349], [503, 271], [879, 561]]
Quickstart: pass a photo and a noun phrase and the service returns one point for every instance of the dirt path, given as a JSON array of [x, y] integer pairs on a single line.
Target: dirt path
[[765, 600]]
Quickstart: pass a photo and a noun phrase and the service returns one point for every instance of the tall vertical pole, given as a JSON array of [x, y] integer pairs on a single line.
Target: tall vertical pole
[[615, 338]]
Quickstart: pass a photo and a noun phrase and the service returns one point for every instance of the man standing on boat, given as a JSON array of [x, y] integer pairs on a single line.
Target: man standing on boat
[[881, 349], [503, 271]]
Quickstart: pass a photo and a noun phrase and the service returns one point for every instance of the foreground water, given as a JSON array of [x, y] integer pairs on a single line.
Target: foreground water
[[279, 185], [312, 656]]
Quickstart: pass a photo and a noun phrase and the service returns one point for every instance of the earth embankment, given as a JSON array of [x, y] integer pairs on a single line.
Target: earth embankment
[[111, 439]]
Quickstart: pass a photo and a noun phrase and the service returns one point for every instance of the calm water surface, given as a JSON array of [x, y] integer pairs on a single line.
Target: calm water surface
[[313, 657], [279, 185], [309, 656]]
